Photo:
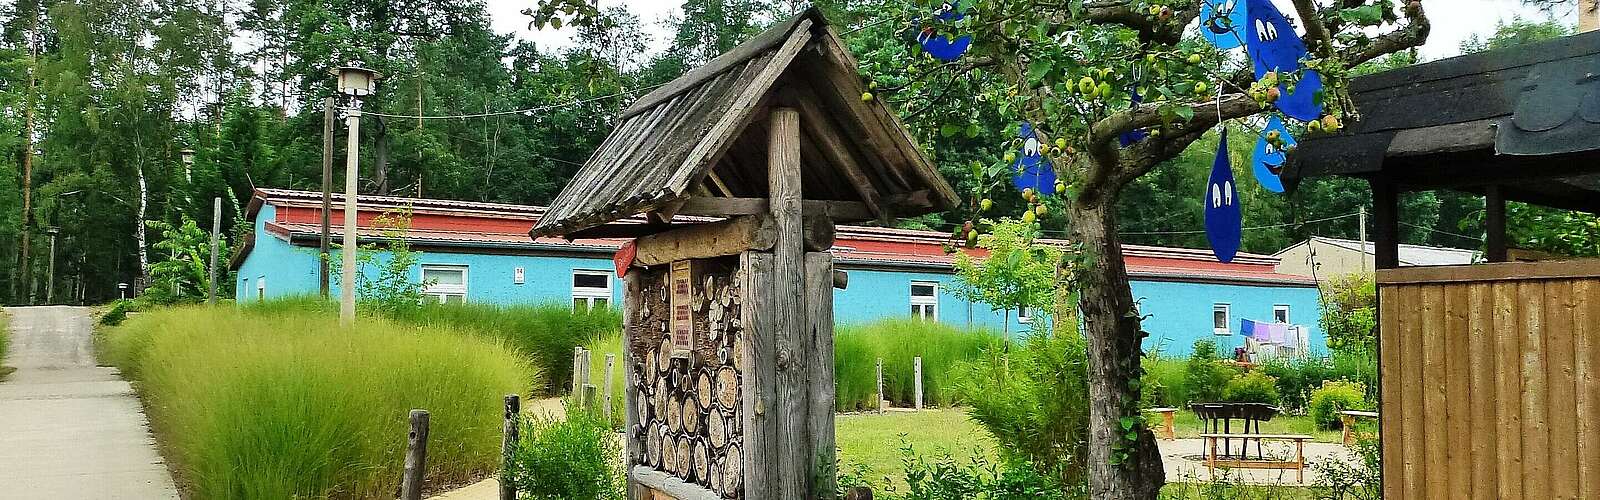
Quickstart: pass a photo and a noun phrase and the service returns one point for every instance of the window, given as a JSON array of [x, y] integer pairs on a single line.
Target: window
[[1220, 320], [925, 300], [1280, 313], [591, 290], [1024, 315], [519, 276], [261, 288], [445, 284]]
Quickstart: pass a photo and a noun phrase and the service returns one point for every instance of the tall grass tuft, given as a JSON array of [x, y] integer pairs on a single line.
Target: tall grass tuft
[[898, 341], [5, 343], [275, 403]]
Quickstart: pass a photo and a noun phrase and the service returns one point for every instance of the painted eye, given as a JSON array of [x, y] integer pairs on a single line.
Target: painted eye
[[1031, 147], [1227, 192], [1216, 196]]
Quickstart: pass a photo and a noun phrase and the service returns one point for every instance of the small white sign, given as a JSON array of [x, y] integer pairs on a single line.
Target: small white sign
[[520, 274]]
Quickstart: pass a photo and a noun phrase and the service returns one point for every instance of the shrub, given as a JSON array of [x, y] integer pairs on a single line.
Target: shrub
[[259, 405], [119, 312], [942, 477], [1332, 398], [575, 458], [1037, 404], [1253, 387], [1352, 480], [1163, 381], [601, 346], [1350, 311], [1204, 377], [858, 347], [1297, 377], [1357, 365]]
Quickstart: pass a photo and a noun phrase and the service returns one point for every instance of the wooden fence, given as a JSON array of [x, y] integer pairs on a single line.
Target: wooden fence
[[1491, 381]]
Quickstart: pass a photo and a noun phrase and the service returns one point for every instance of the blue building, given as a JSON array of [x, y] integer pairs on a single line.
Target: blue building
[[481, 252]]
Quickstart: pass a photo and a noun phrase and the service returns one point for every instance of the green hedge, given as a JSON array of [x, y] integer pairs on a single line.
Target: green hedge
[[858, 347], [272, 404]]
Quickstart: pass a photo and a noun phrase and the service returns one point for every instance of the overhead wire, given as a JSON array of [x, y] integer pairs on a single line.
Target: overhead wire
[[527, 111]]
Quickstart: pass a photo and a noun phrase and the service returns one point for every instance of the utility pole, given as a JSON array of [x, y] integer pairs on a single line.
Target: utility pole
[[355, 82], [327, 194], [1361, 217], [216, 237]]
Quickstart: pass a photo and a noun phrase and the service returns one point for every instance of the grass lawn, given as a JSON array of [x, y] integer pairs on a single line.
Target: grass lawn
[[1187, 425], [874, 441], [5, 339]]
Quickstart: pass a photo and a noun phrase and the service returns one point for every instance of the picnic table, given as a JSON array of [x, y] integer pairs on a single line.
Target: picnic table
[[1348, 418], [1217, 418], [1214, 460], [1167, 431]]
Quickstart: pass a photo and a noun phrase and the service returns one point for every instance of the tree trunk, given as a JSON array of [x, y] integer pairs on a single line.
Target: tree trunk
[[1118, 468], [138, 225]]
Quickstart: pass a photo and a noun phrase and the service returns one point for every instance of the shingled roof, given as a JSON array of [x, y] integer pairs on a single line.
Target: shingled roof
[[704, 135], [1524, 118]]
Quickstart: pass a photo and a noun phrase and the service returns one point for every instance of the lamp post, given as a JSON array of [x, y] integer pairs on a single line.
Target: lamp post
[[355, 82]]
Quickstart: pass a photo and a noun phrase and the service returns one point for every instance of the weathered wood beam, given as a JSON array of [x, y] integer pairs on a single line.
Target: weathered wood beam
[[1386, 219], [701, 241], [817, 344], [835, 150], [730, 207], [794, 452], [1494, 202]]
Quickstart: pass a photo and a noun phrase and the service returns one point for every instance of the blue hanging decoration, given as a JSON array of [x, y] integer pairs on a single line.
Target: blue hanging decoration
[[1223, 218], [1132, 137], [1032, 169], [941, 46], [1222, 22], [1269, 158], [1274, 46]]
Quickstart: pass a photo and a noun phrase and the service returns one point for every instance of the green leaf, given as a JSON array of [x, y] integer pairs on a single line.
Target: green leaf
[[1184, 112], [1367, 15], [949, 130], [1127, 423], [1038, 69]]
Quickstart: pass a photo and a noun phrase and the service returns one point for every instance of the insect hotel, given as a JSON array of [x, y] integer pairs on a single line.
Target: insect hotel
[[730, 179]]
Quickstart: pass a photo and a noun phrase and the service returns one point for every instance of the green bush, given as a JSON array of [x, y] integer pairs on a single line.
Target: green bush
[[1163, 381], [119, 312], [943, 477], [574, 458], [600, 347], [858, 347], [1332, 398], [1252, 387], [1297, 377], [268, 405], [1357, 365], [1205, 377], [1035, 401]]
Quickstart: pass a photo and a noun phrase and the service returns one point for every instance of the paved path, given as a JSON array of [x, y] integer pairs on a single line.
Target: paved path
[[1183, 464], [68, 428]]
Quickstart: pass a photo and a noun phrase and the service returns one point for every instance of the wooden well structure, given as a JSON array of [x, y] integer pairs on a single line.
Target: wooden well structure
[[740, 169], [1490, 373]]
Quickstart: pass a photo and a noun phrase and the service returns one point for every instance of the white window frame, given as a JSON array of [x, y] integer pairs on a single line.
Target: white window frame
[[1282, 307], [1024, 315], [924, 307], [1227, 318], [588, 295], [439, 292], [261, 289]]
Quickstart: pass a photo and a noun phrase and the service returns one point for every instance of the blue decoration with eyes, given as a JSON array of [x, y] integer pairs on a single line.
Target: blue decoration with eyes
[[1222, 22], [1268, 160], [941, 46], [1223, 218], [1274, 46], [1132, 137], [1032, 169]]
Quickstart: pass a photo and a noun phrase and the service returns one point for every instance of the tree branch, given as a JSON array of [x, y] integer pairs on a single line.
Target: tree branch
[[1322, 42], [1126, 13]]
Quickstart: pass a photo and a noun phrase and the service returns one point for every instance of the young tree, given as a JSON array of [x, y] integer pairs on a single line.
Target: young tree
[[1017, 273]]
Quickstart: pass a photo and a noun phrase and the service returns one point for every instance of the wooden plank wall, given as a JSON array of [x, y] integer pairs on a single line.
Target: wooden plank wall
[[1490, 387]]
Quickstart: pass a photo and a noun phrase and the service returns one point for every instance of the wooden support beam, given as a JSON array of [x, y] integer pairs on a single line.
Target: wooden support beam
[[1494, 201], [702, 241], [794, 454], [730, 207], [835, 150], [1386, 221]]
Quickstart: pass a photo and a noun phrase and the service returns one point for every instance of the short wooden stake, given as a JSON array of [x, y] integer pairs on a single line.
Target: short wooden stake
[[880, 386], [577, 370], [918, 365], [508, 445], [588, 397], [611, 366], [416, 457]]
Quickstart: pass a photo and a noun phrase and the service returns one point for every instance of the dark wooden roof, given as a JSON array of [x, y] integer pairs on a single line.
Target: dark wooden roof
[[1525, 118], [704, 135]]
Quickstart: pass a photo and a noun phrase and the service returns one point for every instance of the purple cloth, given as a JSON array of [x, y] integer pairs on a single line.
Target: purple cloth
[[1266, 333]]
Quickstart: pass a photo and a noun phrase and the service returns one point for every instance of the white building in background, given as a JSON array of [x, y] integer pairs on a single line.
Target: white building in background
[[1326, 258]]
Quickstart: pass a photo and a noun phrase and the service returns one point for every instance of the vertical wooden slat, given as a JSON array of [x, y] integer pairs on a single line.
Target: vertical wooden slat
[[1414, 420], [1562, 388], [819, 325], [1508, 393], [757, 383], [1433, 382], [1480, 322], [1586, 310], [793, 402], [1535, 420], [632, 300], [1458, 414], [1391, 380]]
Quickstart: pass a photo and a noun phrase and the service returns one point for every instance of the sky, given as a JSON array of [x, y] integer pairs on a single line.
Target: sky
[[1453, 21]]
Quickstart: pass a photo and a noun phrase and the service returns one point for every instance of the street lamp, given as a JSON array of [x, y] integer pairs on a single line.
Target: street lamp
[[187, 155], [356, 82]]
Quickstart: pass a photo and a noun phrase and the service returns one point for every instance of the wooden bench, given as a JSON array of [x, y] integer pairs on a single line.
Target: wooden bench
[[1298, 464], [1348, 418], [1167, 431]]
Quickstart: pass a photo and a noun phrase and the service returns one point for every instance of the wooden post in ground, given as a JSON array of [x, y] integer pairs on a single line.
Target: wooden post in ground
[[580, 374], [918, 369], [327, 195], [880, 386], [416, 457], [589, 396], [611, 366], [216, 232], [508, 445], [794, 446]]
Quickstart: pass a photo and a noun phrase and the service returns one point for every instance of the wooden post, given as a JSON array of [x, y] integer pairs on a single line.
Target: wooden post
[[508, 445], [794, 452], [631, 446], [1386, 218], [216, 231], [918, 368], [579, 374], [589, 395], [611, 367], [416, 457], [819, 336], [880, 386], [1494, 242], [327, 194]]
